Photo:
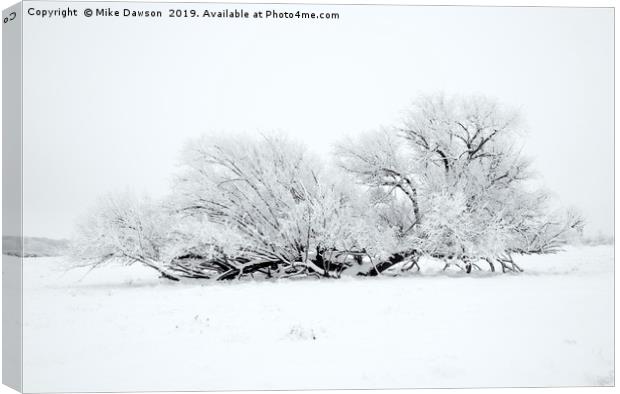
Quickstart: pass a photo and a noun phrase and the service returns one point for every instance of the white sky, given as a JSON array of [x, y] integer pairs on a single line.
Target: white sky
[[108, 102]]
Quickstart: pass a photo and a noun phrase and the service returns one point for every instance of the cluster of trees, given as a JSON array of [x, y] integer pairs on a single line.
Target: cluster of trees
[[449, 183]]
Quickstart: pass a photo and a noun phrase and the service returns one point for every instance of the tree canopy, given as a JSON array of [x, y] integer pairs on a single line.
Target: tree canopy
[[449, 182]]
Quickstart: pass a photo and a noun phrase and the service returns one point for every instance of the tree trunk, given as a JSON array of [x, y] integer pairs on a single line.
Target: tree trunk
[[163, 273], [390, 262], [249, 268], [169, 277], [488, 260]]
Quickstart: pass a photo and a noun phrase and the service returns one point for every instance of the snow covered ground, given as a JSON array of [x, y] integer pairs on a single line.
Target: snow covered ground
[[121, 328]]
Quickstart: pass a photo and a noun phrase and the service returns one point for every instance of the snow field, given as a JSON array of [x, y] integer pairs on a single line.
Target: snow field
[[121, 328]]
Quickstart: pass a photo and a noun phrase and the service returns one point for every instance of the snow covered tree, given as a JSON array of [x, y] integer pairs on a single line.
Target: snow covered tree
[[449, 182], [275, 195], [450, 172], [123, 228]]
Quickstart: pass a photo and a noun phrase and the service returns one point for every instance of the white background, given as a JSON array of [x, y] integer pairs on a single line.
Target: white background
[[5, 4], [110, 108]]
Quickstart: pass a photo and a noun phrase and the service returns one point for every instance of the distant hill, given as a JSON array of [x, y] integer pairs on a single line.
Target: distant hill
[[34, 246]]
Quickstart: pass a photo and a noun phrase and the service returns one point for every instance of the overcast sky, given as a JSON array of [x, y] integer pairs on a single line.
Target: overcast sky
[[109, 102]]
